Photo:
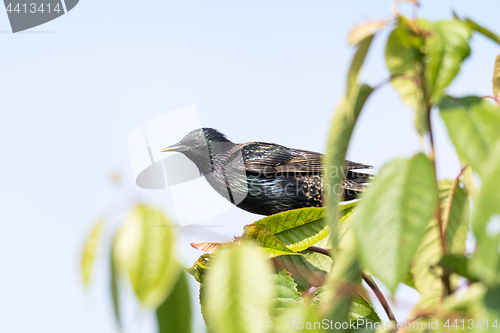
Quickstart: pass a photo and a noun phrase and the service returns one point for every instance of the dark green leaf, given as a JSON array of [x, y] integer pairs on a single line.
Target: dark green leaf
[[482, 30], [174, 315], [473, 124], [308, 270], [392, 216], [357, 62], [342, 285], [457, 263]]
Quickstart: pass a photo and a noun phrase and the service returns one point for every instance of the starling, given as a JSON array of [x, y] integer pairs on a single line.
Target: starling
[[263, 178]]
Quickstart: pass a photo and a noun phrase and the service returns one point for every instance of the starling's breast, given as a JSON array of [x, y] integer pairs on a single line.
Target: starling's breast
[[271, 195]]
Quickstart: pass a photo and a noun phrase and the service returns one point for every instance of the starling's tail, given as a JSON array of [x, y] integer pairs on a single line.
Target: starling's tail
[[354, 182]]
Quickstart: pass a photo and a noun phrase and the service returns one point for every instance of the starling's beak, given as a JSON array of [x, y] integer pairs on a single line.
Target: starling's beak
[[177, 147]]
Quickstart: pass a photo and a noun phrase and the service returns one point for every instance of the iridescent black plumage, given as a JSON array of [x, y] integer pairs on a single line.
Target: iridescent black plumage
[[263, 178]]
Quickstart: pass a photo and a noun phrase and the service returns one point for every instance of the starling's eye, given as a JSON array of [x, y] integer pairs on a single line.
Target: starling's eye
[[198, 144]]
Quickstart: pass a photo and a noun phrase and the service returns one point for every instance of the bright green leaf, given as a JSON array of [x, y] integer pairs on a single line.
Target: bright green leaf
[[199, 267], [115, 292], [238, 291], [144, 249], [446, 49], [297, 229], [426, 276], [286, 295], [268, 242], [473, 124], [392, 216], [174, 315], [405, 60], [456, 214], [342, 126], [89, 251], [292, 320]]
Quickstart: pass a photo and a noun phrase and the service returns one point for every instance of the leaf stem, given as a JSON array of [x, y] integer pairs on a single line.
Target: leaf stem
[[368, 280], [432, 157]]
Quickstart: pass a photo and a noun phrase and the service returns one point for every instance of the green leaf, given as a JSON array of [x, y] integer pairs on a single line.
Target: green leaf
[[238, 291], [299, 319], [361, 309], [286, 295], [482, 30], [426, 276], [357, 62], [486, 222], [496, 77], [144, 249], [199, 267], [308, 270], [446, 49], [473, 124], [89, 250], [365, 30], [457, 263], [456, 214], [268, 242], [341, 129], [405, 60], [174, 315], [115, 292], [342, 285], [392, 216], [297, 229]]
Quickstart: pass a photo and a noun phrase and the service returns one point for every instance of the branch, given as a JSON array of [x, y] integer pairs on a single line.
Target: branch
[[369, 281]]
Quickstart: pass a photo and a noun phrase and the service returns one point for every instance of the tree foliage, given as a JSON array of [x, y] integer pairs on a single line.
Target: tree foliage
[[305, 266]]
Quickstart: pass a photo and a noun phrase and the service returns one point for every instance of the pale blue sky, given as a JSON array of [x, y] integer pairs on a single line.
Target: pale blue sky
[[258, 71]]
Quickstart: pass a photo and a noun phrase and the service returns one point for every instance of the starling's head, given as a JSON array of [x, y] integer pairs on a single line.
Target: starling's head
[[198, 139], [199, 145]]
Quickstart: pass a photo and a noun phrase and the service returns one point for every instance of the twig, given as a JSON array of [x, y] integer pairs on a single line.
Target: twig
[[446, 276], [369, 281]]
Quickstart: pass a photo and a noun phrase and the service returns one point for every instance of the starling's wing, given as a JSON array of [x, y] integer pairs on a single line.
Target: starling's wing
[[261, 157]]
